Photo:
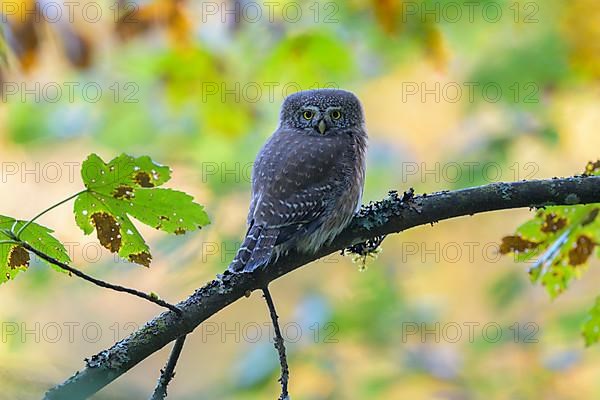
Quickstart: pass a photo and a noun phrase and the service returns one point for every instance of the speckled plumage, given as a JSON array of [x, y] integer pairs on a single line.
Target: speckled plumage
[[308, 178]]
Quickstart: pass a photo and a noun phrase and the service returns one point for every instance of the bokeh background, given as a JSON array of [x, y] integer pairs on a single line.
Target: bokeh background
[[456, 94]]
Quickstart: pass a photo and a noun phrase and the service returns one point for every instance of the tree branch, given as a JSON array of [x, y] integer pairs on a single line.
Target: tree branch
[[279, 345], [167, 374], [384, 217]]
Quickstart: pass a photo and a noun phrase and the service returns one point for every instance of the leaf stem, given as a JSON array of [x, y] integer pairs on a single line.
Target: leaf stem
[[9, 242], [7, 232], [18, 234]]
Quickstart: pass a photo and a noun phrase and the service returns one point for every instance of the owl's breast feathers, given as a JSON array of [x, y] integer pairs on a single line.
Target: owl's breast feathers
[[305, 190]]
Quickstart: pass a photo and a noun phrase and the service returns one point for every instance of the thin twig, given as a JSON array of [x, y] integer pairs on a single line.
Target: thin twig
[[279, 345], [167, 374], [99, 282], [18, 233]]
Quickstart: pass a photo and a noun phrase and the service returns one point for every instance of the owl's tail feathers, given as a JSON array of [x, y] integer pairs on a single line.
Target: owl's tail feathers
[[256, 250]]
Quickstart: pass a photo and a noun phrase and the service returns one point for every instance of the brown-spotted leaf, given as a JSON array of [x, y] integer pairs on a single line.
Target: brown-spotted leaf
[[516, 244], [15, 259], [584, 247], [563, 238], [553, 223], [18, 257], [127, 187], [108, 231], [143, 258]]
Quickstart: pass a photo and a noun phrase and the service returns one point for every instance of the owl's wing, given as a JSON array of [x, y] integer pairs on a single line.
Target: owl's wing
[[299, 213], [294, 179]]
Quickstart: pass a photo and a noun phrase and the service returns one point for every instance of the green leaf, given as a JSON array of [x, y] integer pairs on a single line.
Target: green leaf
[[562, 238], [124, 187], [14, 258], [591, 326]]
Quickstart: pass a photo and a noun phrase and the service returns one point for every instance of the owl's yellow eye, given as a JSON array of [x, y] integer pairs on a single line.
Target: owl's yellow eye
[[308, 115], [336, 114]]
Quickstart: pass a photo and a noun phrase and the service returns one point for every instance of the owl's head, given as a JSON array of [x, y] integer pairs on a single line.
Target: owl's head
[[322, 111]]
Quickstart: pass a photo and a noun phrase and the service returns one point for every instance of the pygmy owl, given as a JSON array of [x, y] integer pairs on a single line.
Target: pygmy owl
[[307, 179]]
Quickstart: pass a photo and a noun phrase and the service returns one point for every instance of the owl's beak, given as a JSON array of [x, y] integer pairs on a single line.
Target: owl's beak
[[322, 126]]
